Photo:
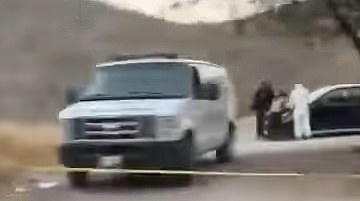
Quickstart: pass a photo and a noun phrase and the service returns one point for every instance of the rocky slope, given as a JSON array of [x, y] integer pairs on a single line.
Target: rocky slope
[[48, 44], [197, 11]]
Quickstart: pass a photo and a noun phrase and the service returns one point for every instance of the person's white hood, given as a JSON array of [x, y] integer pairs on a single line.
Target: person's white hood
[[299, 97]]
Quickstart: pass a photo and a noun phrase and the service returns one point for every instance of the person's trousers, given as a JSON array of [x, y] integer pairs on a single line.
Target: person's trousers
[[260, 122], [302, 127]]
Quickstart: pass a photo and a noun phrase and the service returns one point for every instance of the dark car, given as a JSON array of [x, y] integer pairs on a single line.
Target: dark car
[[334, 110]]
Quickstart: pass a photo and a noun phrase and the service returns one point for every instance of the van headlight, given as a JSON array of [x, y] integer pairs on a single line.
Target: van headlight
[[167, 122], [68, 129], [167, 126]]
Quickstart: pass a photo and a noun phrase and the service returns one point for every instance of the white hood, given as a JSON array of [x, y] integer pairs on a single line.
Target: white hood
[[161, 107]]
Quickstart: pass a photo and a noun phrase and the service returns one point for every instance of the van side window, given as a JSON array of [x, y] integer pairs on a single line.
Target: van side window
[[219, 89], [196, 82]]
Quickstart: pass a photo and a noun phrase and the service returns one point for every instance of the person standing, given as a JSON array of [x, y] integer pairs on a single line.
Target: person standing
[[299, 101], [261, 103]]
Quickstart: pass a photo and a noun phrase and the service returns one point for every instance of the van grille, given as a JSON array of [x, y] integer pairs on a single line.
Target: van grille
[[118, 127]]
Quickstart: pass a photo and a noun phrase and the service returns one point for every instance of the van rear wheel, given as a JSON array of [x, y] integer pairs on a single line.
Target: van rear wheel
[[226, 153]]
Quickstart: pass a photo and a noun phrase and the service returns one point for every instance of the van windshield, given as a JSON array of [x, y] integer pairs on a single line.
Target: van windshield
[[140, 81]]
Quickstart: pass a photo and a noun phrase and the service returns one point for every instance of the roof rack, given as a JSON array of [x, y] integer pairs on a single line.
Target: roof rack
[[142, 56]]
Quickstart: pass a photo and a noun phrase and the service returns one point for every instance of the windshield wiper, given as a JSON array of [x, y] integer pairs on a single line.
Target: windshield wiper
[[95, 97], [151, 94], [145, 92], [131, 95]]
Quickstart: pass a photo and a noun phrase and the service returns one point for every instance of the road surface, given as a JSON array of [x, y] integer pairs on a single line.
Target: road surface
[[325, 160]]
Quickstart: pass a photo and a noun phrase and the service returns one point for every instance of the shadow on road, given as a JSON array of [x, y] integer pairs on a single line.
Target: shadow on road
[[116, 182], [289, 138], [314, 156], [140, 183]]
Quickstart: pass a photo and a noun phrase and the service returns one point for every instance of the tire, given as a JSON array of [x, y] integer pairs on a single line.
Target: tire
[[267, 128], [77, 179], [225, 153], [187, 160]]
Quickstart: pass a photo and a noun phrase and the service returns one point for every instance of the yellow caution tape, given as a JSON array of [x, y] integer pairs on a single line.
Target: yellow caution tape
[[163, 172], [58, 169]]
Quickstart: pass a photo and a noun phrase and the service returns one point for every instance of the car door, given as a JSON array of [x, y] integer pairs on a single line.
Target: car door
[[330, 113]]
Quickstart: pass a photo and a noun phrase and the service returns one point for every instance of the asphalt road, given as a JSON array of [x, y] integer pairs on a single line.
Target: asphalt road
[[327, 162]]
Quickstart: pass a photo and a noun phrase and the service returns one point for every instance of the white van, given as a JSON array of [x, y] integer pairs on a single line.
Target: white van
[[154, 112]]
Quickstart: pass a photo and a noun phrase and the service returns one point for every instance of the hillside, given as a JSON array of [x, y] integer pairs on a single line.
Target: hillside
[[48, 44], [196, 11]]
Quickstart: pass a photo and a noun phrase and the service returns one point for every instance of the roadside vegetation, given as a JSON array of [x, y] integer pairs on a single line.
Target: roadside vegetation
[[23, 145]]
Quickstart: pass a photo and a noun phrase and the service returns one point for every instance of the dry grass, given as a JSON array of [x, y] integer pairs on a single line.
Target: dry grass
[[23, 145]]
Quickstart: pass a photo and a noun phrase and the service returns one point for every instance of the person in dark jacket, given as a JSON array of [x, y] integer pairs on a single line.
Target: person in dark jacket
[[261, 104]]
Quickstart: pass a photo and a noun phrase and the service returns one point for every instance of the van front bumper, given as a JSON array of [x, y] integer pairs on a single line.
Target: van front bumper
[[137, 153]]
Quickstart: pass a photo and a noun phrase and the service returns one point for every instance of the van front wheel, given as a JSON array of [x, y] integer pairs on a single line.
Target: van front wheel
[[77, 179], [187, 160]]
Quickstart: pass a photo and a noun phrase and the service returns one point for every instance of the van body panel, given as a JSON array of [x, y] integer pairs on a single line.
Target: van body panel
[[171, 117]]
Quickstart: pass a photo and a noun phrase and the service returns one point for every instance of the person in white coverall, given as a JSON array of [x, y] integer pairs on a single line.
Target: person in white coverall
[[299, 101]]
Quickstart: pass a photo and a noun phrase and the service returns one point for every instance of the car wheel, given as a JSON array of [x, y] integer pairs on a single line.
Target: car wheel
[[226, 153], [77, 179]]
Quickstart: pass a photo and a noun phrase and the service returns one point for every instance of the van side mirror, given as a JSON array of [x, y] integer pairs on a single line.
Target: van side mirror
[[209, 91], [72, 94]]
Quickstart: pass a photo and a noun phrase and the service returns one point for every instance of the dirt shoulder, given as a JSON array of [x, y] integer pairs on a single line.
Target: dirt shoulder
[[23, 145]]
